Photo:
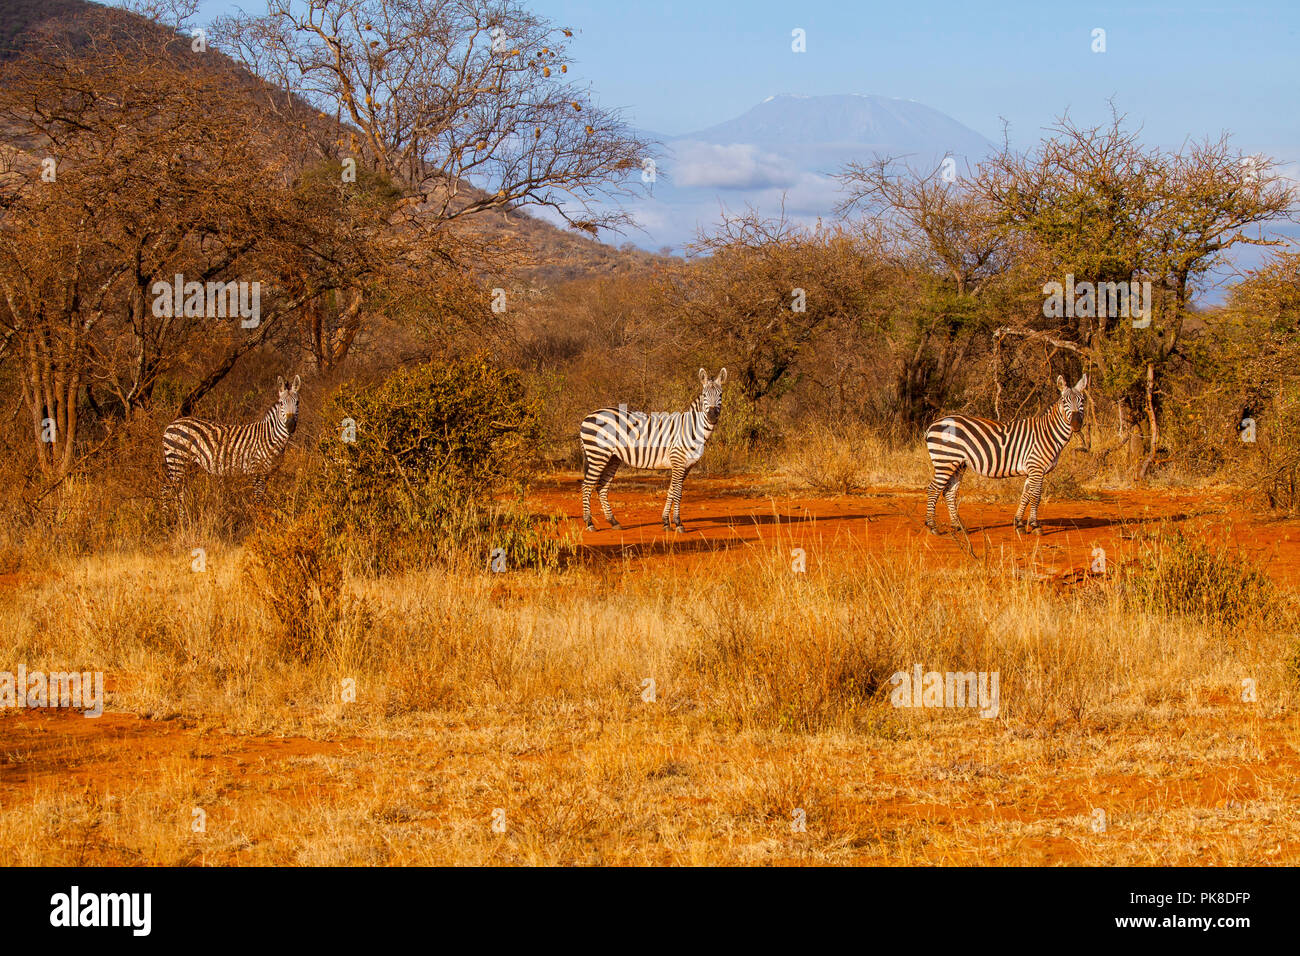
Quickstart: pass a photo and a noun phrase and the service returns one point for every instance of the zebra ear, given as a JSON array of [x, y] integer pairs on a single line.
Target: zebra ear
[[279, 383], [297, 382], [722, 377], [1060, 382], [704, 377], [1083, 383]]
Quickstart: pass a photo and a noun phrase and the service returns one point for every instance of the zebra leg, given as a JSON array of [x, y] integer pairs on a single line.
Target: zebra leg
[[1029, 502], [677, 502], [942, 475], [1019, 521], [1034, 526], [589, 479], [259, 488], [175, 493], [606, 476], [672, 504], [176, 496], [950, 495]]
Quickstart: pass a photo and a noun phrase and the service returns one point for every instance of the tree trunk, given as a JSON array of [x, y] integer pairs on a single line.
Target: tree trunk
[[213, 378], [1151, 421]]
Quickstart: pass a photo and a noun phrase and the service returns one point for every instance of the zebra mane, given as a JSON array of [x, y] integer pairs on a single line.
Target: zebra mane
[[1056, 423], [277, 434]]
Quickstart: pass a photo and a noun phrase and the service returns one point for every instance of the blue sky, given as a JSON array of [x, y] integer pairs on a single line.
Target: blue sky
[[1180, 70]]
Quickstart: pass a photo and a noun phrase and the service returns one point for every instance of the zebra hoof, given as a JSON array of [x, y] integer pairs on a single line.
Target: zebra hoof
[[931, 527], [958, 527], [1019, 525], [590, 526], [615, 525], [1035, 528], [678, 527]]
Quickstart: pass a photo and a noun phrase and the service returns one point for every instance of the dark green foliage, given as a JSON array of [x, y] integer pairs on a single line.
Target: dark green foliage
[[409, 466], [425, 434]]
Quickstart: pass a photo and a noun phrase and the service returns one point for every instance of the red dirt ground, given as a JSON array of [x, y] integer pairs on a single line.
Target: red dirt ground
[[51, 752], [724, 514]]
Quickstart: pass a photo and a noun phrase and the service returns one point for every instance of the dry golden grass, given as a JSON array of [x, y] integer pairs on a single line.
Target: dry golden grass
[[524, 692], [841, 459]]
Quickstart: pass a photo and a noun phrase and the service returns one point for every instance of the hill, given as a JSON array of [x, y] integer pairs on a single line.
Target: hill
[[556, 254]]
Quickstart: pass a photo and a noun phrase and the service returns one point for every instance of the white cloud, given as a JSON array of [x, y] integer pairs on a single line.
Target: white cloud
[[735, 166]]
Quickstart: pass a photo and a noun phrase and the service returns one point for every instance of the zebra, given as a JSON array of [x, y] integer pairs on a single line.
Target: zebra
[[1027, 446], [656, 440], [254, 449]]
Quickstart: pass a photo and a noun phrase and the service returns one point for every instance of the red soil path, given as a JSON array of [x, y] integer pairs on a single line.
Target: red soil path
[[722, 515]]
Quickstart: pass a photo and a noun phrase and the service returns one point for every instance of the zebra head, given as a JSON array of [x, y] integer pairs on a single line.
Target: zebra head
[[711, 398], [286, 408], [1072, 401]]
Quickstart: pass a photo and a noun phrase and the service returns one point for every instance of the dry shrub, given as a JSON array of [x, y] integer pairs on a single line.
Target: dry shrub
[[298, 570], [797, 680], [848, 457], [826, 460], [1212, 582], [744, 439]]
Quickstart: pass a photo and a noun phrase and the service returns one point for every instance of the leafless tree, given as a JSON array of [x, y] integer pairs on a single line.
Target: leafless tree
[[442, 95]]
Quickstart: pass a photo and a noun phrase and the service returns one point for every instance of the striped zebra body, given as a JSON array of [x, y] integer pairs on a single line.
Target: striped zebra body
[[1028, 447], [671, 441], [253, 449]]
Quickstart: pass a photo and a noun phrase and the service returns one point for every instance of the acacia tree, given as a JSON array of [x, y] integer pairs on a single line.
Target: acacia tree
[[768, 289], [137, 167], [441, 94], [1100, 206], [55, 298], [939, 235], [465, 106], [359, 257]]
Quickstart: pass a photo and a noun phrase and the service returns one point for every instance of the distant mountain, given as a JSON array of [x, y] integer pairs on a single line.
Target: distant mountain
[[855, 122], [788, 149]]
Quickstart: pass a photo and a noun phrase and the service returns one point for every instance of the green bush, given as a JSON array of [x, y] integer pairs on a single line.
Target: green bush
[[1178, 574], [409, 467], [463, 428]]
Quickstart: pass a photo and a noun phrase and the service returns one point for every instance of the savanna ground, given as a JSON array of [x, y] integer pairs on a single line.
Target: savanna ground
[[342, 679], [1124, 735]]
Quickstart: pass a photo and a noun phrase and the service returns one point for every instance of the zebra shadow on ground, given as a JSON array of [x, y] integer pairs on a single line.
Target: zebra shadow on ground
[[683, 544], [779, 519], [1056, 525], [744, 520], [1085, 524]]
